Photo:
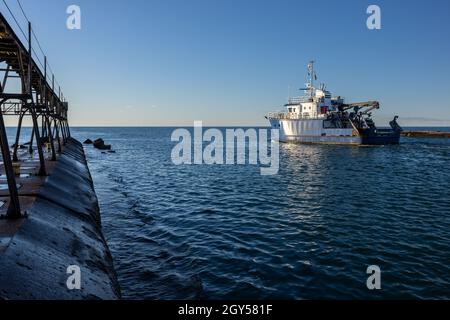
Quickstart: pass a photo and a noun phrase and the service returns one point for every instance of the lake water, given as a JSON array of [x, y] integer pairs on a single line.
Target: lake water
[[309, 232]]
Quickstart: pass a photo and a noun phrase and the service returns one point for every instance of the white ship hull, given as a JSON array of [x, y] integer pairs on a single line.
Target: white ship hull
[[312, 131], [318, 117]]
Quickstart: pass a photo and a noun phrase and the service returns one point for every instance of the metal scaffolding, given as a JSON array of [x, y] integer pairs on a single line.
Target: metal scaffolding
[[36, 98]]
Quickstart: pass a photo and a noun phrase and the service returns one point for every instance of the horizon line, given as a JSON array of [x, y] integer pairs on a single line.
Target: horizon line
[[208, 126]]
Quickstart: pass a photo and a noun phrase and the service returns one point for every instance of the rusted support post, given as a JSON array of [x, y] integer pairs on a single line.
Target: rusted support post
[[5, 78], [68, 129], [52, 122], [62, 132], [19, 128], [57, 136], [50, 139], [65, 130], [45, 83], [42, 171], [30, 147], [30, 61], [43, 126], [14, 205]]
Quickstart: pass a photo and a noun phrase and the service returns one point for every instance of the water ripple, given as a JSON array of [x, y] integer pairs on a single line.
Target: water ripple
[[309, 232]]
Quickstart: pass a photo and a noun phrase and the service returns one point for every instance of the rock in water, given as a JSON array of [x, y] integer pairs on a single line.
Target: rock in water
[[88, 141], [100, 144]]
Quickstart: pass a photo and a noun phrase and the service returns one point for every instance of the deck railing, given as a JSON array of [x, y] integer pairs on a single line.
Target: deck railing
[[298, 100], [294, 116]]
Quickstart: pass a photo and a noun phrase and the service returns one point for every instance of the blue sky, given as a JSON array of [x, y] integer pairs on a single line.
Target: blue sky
[[229, 62]]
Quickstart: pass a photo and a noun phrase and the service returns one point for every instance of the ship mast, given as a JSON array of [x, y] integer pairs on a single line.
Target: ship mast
[[312, 76]]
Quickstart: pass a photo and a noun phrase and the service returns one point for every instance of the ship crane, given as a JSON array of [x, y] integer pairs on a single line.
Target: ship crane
[[357, 106], [361, 119]]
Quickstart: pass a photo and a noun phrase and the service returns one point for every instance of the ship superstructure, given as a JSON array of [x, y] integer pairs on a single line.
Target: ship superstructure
[[318, 117]]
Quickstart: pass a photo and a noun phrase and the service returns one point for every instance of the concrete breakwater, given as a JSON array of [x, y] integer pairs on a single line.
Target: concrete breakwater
[[62, 230], [426, 134]]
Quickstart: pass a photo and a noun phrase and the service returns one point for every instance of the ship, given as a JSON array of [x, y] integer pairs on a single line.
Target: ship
[[318, 117]]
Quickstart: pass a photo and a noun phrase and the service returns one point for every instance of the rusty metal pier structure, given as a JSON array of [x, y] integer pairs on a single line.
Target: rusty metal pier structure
[[26, 90], [49, 213]]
